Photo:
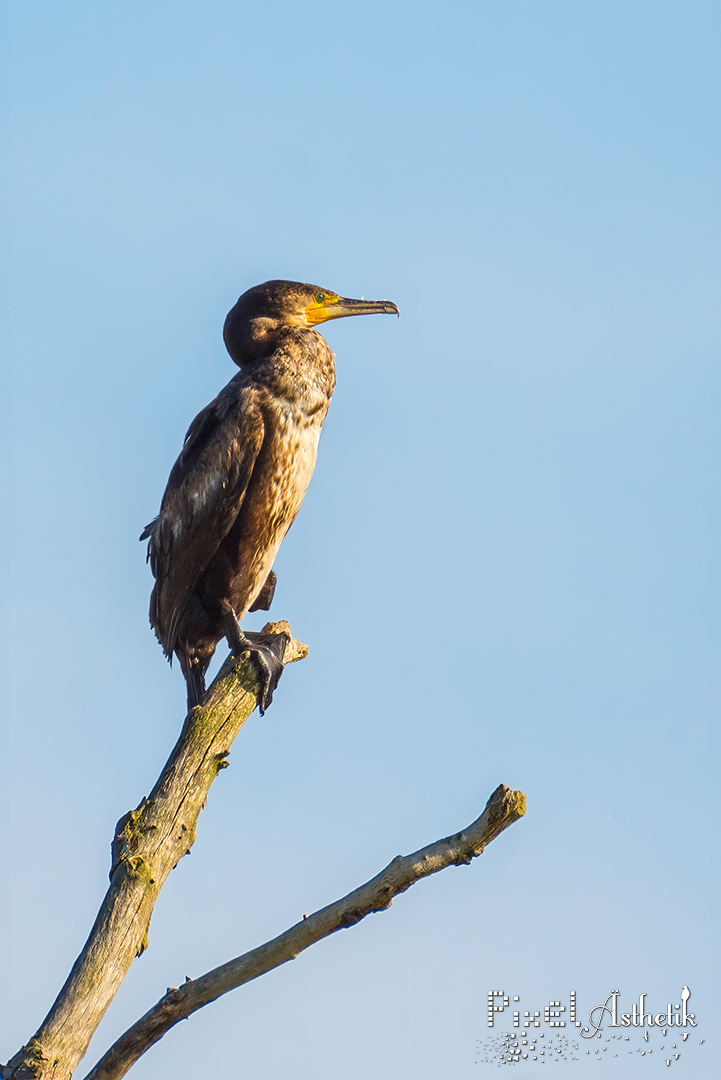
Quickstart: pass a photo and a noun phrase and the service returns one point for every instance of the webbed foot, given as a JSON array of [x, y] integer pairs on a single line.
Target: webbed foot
[[265, 597], [269, 666], [266, 651]]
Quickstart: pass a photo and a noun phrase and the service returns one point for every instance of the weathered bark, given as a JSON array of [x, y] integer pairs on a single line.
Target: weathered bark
[[148, 844], [502, 809]]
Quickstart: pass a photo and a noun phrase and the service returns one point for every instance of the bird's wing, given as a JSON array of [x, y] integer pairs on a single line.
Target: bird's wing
[[204, 495]]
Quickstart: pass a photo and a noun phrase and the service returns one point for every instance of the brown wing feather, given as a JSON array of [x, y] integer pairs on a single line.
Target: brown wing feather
[[204, 495]]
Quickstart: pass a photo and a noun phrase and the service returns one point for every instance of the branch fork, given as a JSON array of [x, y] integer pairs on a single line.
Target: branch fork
[[149, 842]]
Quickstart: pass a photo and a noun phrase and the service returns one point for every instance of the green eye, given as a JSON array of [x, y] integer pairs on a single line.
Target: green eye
[[319, 297]]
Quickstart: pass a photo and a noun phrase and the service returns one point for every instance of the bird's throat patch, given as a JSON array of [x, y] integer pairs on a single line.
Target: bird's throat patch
[[320, 308]]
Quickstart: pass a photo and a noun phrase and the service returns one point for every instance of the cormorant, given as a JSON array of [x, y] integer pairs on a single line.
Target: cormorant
[[241, 477]]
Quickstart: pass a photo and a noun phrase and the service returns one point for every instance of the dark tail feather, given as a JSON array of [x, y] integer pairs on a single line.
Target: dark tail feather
[[195, 682], [194, 671]]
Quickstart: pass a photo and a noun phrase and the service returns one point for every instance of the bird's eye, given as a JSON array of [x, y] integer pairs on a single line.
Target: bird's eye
[[319, 297]]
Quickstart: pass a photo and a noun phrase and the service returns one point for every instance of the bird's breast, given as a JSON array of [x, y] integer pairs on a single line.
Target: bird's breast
[[280, 480], [292, 450]]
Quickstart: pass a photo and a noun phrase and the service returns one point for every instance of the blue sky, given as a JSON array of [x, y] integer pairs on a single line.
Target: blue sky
[[506, 566]]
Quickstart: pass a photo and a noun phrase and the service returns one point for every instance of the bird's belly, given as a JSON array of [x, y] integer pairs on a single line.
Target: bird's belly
[[282, 500], [274, 497]]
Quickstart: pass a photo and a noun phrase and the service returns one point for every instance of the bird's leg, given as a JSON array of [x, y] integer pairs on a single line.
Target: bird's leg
[[265, 597], [268, 664]]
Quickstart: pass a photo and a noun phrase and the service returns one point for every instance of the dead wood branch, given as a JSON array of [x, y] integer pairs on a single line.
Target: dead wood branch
[[148, 844], [503, 808]]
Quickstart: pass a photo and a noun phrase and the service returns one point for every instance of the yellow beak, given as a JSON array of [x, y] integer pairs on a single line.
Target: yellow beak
[[338, 307]]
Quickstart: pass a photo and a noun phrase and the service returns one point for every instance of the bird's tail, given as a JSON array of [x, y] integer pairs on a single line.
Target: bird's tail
[[194, 670], [195, 682]]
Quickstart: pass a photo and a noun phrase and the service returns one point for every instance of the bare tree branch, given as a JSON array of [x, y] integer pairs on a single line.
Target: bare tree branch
[[502, 809], [148, 844]]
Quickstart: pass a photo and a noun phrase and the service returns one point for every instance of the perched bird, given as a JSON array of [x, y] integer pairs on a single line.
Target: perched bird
[[241, 477]]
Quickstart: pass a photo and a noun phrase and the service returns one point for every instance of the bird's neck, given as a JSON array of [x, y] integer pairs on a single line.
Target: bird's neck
[[295, 364]]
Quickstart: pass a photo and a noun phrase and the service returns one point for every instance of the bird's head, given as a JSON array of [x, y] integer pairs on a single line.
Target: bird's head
[[266, 308]]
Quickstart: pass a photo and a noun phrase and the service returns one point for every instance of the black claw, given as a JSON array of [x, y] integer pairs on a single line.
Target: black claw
[[267, 650], [270, 669]]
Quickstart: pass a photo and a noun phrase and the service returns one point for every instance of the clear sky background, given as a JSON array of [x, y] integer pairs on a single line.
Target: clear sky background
[[506, 566]]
